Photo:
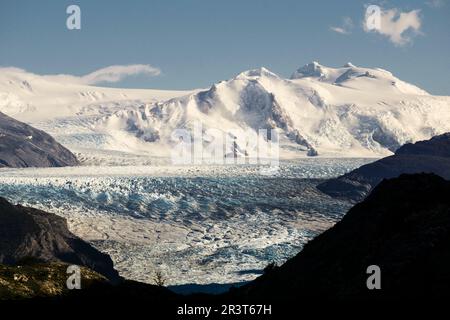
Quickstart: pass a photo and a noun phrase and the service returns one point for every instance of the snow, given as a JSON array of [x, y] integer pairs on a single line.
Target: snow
[[336, 112], [30, 97], [210, 223]]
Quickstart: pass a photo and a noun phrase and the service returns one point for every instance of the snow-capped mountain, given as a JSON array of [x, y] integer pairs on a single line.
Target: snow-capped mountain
[[31, 97], [345, 75], [347, 111]]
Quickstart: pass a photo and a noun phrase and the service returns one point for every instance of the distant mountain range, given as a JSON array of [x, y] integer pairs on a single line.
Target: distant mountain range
[[430, 156], [346, 111], [22, 145]]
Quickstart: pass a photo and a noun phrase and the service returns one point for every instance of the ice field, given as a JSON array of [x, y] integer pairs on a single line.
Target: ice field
[[204, 224]]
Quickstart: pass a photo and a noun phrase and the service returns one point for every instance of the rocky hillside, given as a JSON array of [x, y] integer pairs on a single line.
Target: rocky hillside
[[46, 282], [430, 156], [30, 233], [40, 280], [403, 227], [24, 146]]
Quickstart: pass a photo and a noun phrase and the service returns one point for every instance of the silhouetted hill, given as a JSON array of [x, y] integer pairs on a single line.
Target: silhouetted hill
[[430, 156], [31, 234], [22, 145], [403, 227]]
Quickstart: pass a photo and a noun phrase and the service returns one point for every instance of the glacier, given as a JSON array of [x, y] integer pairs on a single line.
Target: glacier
[[195, 224], [210, 223]]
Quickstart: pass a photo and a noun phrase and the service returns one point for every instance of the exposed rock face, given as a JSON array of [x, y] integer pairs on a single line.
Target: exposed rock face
[[24, 146], [403, 227], [431, 156], [31, 233]]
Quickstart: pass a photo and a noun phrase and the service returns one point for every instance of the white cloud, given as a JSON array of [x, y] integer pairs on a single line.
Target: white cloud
[[109, 74], [345, 28], [398, 26]]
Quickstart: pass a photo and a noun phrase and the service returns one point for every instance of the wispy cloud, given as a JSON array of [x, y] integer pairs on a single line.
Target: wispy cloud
[[339, 30], [345, 28], [435, 3], [399, 27], [109, 74]]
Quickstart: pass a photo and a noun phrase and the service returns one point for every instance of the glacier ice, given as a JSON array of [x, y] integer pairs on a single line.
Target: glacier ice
[[199, 224]]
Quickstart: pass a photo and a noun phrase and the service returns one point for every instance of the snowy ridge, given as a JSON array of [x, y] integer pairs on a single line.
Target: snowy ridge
[[348, 71], [32, 97], [333, 112], [348, 111]]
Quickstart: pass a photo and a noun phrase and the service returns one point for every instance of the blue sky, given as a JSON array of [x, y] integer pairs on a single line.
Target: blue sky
[[198, 42]]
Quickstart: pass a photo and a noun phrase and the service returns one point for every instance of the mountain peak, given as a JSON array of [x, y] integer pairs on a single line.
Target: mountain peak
[[349, 65], [257, 73], [312, 69]]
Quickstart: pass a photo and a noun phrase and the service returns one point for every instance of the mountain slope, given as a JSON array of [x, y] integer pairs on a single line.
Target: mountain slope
[[31, 233], [24, 146], [431, 156], [32, 98], [347, 111], [403, 227]]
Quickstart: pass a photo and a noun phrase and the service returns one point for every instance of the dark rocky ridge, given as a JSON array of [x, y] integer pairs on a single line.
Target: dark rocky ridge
[[22, 146], [403, 226], [430, 156], [30, 233]]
